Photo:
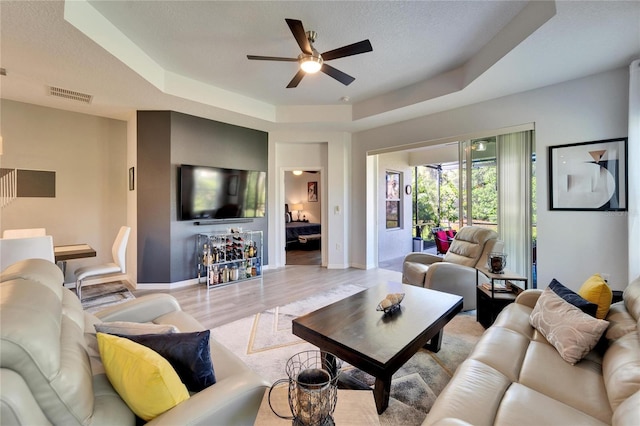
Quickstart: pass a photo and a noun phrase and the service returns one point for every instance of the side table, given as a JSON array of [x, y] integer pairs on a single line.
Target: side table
[[354, 407], [491, 301]]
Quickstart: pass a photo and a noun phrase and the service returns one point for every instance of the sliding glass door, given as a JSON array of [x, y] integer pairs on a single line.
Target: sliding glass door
[[497, 188]]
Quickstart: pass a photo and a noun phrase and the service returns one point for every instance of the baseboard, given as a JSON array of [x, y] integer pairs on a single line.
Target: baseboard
[[167, 286]]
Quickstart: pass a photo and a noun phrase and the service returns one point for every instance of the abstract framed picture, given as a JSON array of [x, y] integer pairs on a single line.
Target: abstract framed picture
[[589, 176], [312, 192]]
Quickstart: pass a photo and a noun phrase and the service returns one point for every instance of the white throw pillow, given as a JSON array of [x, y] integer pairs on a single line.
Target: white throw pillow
[[572, 332]]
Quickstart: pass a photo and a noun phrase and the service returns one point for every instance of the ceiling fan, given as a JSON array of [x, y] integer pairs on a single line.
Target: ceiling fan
[[311, 61]]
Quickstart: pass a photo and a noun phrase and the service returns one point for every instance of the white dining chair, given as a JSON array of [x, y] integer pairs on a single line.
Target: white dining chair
[[24, 233], [118, 266], [13, 250]]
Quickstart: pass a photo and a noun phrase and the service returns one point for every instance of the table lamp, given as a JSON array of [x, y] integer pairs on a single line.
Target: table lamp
[[298, 208]]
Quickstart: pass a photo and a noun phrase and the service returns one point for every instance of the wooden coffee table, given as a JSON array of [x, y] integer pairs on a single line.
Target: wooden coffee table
[[378, 344]]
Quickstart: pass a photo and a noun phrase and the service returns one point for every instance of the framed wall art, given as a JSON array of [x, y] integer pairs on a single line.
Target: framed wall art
[[589, 176], [392, 199], [312, 191], [132, 178]]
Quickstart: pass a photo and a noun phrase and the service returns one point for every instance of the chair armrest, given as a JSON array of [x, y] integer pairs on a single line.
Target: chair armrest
[[529, 297], [454, 279], [142, 309], [452, 272], [424, 258], [234, 400]]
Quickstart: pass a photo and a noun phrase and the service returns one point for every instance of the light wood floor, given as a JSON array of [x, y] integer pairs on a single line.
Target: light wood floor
[[221, 305], [304, 257]]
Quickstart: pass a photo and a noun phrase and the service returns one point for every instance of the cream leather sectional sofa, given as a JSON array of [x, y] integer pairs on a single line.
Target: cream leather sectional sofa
[[514, 376], [49, 374]]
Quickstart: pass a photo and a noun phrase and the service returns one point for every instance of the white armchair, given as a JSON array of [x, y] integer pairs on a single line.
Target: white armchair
[[454, 273]]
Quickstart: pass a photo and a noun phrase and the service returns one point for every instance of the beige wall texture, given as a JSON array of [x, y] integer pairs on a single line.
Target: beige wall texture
[[88, 155]]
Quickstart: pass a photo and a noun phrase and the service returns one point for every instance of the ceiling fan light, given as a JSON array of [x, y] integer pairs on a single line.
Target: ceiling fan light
[[311, 64]]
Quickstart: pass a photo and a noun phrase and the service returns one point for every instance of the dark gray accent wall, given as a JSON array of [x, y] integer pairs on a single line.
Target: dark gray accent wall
[[197, 141], [154, 196]]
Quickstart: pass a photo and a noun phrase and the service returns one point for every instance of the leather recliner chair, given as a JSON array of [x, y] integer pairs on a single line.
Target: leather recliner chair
[[454, 273]]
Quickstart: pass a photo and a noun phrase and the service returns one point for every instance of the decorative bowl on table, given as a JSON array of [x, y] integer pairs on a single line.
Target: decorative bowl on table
[[391, 303]]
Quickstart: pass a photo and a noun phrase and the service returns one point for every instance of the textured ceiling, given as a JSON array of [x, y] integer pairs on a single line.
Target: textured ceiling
[[190, 56]]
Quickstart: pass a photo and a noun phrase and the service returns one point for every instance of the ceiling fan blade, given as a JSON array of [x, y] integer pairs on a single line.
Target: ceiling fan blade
[[296, 79], [271, 58], [300, 35], [352, 49], [343, 78]]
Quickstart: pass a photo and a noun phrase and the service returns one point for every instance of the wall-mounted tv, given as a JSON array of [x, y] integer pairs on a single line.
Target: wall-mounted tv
[[218, 193]]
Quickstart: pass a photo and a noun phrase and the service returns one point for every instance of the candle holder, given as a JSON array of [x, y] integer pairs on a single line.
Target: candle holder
[[496, 262]]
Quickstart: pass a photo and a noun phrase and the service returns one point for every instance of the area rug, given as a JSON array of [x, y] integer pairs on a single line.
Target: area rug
[[264, 342], [99, 296]]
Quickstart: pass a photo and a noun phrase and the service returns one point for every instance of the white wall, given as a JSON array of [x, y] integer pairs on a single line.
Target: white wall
[[89, 156], [571, 245], [396, 242]]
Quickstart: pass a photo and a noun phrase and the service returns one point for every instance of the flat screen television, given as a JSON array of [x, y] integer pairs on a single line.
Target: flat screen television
[[218, 193]]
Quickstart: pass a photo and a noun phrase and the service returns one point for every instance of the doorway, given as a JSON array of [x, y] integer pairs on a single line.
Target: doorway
[[303, 219]]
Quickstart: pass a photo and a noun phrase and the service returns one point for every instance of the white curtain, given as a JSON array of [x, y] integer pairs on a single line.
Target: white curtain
[[514, 199], [634, 170]]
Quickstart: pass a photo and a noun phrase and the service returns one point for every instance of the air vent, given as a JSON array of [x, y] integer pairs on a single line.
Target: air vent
[[70, 94]]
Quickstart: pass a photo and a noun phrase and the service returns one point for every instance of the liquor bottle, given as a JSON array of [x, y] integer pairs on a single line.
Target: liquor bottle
[[251, 250], [258, 267], [215, 275], [249, 269], [205, 255]]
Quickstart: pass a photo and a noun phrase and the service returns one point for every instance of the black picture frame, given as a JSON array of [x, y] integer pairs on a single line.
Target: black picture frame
[[589, 176], [132, 178]]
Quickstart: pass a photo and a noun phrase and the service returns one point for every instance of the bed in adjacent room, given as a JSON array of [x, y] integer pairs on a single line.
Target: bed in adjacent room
[[294, 230]]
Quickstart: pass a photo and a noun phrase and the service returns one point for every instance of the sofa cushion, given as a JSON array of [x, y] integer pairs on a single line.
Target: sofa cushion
[[620, 322], [572, 332], [574, 298], [143, 379], [522, 405], [188, 354], [134, 328], [621, 369], [46, 348], [547, 373], [631, 298], [596, 290]]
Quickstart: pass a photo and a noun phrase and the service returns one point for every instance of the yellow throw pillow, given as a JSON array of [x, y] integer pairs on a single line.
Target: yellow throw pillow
[[596, 290], [144, 380]]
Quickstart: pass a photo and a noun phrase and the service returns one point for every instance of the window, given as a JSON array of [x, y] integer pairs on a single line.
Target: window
[[392, 199]]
